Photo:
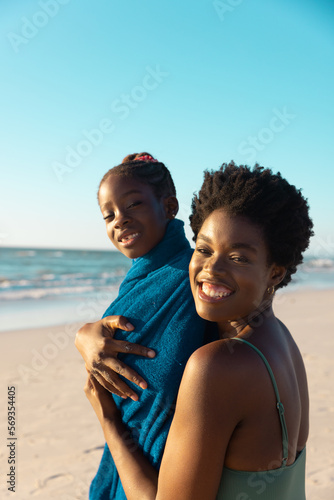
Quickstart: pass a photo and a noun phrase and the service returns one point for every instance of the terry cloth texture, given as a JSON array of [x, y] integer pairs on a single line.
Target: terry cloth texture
[[155, 297]]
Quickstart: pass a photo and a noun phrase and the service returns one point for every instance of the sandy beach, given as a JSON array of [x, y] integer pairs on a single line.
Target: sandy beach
[[59, 442]]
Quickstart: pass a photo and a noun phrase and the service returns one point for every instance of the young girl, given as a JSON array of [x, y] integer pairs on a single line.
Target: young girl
[[241, 420], [138, 203]]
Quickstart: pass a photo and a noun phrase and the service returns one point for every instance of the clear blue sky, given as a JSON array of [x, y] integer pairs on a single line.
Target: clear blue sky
[[194, 83]]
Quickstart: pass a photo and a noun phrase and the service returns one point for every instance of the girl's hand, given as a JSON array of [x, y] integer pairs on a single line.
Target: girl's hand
[[101, 400], [134, 468], [99, 350]]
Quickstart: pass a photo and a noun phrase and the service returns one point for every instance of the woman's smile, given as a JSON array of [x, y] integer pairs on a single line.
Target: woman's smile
[[212, 292], [229, 271]]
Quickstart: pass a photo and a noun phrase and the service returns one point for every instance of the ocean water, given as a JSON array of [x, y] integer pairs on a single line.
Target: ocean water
[[43, 287]]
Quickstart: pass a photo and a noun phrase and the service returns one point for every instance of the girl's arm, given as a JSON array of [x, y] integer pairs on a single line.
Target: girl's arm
[[195, 450], [139, 478]]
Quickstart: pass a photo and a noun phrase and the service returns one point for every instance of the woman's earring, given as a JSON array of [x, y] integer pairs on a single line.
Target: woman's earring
[[271, 290]]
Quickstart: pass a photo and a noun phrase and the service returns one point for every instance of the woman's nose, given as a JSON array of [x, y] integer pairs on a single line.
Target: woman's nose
[[216, 265]]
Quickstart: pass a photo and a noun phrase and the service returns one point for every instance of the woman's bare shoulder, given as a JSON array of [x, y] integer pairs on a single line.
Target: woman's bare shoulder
[[222, 355], [220, 368]]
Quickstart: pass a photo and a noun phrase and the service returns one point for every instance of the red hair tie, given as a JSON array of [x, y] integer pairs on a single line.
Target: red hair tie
[[146, 158]]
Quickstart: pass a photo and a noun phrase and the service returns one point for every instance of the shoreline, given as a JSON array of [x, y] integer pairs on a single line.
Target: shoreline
[[21, 314], [59, 441]]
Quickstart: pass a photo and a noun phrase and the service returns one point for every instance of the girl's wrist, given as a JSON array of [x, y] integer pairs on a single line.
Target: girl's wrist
[[111, 423], [119, 439]]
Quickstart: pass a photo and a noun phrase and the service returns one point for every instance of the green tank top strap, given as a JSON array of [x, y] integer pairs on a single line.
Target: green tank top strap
[[279, 404]]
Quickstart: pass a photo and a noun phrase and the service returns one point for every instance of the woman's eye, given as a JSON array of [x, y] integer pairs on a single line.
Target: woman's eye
[[240, 259], [203, 250]]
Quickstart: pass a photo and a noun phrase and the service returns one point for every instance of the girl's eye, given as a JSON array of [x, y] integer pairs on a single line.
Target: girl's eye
[[109, 217], [134, 204]]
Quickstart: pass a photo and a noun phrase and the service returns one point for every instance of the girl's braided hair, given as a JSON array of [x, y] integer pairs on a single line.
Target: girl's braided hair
[[144, 168]]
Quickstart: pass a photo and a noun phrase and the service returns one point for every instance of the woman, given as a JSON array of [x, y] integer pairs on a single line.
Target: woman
[[241, 419]]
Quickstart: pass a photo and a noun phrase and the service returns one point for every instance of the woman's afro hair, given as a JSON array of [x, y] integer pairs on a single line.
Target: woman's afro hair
[[267, 200]]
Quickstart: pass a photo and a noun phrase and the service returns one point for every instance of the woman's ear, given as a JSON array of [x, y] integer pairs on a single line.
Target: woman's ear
[[171, 207], [277, 275]]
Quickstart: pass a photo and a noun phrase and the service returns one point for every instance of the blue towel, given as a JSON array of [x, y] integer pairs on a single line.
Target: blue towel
[[156, 298]]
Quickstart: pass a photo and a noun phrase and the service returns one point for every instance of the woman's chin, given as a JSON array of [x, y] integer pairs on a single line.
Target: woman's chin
[[210, 315]]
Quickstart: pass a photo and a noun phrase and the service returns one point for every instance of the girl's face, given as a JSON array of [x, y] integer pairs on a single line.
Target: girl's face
[[229, 271], [135, 219]]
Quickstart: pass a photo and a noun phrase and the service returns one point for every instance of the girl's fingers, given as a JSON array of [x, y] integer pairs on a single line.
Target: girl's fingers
[[109, 387], [107, 367], [110, 367], [113, 383]]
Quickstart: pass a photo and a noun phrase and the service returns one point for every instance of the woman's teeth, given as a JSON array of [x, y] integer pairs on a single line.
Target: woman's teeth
[[215, 291]]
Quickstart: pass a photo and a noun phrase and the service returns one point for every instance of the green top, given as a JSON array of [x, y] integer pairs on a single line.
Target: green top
[[284, 483]]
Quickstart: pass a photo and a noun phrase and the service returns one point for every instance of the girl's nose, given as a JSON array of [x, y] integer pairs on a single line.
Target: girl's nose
[[120, 221]]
